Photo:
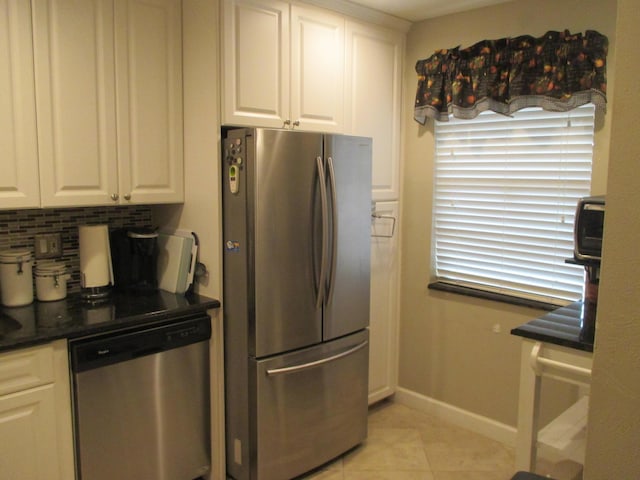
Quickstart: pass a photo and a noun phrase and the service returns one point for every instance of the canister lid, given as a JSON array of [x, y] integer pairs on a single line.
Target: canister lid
[[50, 270], [142, 233], [15, 256]]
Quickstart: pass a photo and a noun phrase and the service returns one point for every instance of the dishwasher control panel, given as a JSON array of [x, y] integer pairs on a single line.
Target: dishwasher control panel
[[115, 347], [184, 333]]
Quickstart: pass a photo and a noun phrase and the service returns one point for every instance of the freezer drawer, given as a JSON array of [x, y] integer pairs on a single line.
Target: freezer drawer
[[311, 406]]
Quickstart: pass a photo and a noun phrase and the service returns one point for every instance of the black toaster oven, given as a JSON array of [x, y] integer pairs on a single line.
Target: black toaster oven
[[588, 228]]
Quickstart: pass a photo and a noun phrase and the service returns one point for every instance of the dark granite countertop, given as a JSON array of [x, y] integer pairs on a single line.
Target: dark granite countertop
[[572, 326], [42, 322]]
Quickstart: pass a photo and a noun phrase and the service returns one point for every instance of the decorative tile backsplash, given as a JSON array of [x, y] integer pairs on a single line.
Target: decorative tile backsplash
[[18, 229]]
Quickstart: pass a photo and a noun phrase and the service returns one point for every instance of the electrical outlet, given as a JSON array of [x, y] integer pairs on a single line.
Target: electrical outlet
[[48, 245]]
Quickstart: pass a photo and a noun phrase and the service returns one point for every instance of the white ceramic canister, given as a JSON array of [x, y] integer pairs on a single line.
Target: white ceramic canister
[[51, 282], [16, 278]]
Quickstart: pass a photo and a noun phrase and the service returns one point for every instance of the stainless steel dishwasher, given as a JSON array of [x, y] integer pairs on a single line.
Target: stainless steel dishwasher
[[141, 401]]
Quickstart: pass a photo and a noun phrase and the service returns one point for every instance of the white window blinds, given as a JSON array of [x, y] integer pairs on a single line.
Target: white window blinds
[[506, 190]]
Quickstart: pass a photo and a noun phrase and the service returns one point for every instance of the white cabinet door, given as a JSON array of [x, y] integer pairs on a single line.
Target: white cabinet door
[[109, 101], [19, 187], [75, 97], [35, 414], [317, 69], [27, 423], [148, 56], [383, 320], [373, 92], [282, 66], [255, 63]]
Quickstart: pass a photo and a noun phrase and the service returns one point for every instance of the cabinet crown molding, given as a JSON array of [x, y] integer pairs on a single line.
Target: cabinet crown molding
[[360, 12]]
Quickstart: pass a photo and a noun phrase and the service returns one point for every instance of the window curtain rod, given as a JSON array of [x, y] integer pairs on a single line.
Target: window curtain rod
[[558, 72]]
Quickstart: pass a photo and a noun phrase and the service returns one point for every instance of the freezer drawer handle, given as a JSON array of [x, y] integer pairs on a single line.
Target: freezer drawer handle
[[305, 366]]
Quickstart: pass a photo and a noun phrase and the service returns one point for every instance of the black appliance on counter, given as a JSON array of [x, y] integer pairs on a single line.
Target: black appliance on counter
[[589, 229], [135, 259], [588, 234]]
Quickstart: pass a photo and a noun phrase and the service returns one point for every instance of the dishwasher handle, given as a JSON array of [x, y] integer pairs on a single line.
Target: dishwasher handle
[[108, 349]]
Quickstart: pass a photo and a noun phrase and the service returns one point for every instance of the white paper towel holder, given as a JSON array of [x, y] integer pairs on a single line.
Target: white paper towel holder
[[96, 270], [94, 295]]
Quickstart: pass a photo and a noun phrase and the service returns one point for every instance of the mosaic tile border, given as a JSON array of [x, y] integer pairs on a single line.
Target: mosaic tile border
[[18, 229]]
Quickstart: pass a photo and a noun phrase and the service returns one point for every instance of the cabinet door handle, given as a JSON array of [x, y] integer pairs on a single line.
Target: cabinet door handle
[[288, 123], [127, 196], [114, 197]]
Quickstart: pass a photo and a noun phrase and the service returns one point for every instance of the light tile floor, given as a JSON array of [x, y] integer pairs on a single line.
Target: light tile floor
[[405, 444]]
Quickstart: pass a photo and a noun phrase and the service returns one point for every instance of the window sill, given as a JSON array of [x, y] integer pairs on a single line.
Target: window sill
[[497, 297]]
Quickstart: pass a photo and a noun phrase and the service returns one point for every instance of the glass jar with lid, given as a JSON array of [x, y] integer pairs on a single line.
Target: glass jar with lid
[[51, 282], [16, 277]]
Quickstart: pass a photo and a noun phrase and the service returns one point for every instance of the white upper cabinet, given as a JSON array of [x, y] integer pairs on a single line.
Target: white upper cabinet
[[255, 63], [282, 66], [19, 186], [108, 96], [373, 93], [149, 92], [317, 69], [75, 91]]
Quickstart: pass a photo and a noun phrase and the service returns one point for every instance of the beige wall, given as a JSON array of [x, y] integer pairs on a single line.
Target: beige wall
[[201, 211], [613, 438], [449, 348]]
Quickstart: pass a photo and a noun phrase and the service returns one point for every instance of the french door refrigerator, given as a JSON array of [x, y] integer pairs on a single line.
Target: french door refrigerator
[[296, 233]]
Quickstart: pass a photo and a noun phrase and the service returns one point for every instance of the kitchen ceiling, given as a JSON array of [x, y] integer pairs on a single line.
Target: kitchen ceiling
[[416, 10]]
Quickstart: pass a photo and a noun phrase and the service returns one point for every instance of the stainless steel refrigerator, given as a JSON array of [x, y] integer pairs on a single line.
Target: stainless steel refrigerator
[[296, 232]]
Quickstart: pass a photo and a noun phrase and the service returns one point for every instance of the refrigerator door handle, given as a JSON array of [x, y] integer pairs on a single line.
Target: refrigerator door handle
[[334, 228], [325, 228], [306, 366]]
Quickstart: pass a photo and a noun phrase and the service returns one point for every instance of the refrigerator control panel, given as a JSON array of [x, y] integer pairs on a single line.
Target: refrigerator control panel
[[233, 154], [234, 179]]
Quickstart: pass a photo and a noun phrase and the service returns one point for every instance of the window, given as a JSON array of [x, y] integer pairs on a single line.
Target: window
[[506, 190]]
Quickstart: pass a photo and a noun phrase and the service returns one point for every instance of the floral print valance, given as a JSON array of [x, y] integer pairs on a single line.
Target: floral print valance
[[558, 71]]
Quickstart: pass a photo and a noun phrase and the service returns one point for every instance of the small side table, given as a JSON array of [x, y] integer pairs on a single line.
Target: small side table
[[557, 345]]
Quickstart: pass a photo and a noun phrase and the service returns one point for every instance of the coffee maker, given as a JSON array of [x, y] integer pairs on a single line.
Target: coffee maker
[[135, 259], [588, 235]]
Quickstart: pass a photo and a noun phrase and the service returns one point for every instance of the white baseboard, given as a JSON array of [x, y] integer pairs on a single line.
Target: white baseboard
[[462, 418], [380, 394]]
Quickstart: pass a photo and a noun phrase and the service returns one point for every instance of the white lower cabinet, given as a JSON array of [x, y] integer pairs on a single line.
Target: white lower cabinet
[[35, 414], [383, 320], [28, 419]]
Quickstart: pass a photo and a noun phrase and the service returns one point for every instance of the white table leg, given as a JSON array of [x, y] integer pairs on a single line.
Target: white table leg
[[529, 400]]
